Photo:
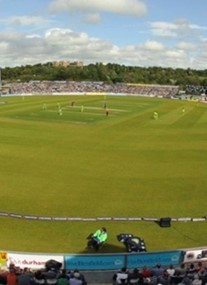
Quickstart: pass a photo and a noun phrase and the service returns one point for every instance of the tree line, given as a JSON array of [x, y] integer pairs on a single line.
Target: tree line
[[109, 73]]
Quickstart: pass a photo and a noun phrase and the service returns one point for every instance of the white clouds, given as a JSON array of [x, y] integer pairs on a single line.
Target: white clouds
[[75, 31], [57, 32], [122, 7], [186, 46], [163, 29], [174, 54], [32, 36], [16, 21], [154, 46], [3, 46], [179, 28], [66, 38], [56, 44], [66, 44]]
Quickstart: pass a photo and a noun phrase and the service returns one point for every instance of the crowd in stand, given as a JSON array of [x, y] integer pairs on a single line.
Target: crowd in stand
[[69, 87], [196, 90], [191, 274], [184, 275], [66, 87], [17, 276]]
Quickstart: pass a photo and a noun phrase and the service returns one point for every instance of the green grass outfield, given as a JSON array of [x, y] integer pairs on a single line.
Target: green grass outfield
[[85, 164]]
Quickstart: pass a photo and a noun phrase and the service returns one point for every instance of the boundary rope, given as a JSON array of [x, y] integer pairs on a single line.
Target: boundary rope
[[90, 219]]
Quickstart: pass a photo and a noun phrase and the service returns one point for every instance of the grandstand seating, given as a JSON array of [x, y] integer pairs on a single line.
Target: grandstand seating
[[73, 87]]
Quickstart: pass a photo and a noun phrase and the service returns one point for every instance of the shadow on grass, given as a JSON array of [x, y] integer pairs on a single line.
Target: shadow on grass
[[157, 222], [107, 248]]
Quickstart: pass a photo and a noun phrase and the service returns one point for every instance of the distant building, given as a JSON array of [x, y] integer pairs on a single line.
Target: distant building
[[66, 63], [77, 63]]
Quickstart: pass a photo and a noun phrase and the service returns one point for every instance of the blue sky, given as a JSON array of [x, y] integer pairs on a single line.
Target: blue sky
[[166, 33]]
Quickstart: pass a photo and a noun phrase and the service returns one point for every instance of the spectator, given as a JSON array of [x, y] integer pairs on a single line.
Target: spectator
[[196, 280], [145, 272], [186, 281], [176, 278], [203, 276], [171, 270], [158, 270], [164, 279], [121, 277], [25, 277], [134, 277], [63, 278], [77, 276], [191, 270], [182, 270], [38, 278], [3, 280], [200, 267], [11, 277], [51, 277]]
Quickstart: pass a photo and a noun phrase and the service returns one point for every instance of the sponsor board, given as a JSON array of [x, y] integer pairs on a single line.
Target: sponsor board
[[94, 262], [33, 261], [114, 262], [197, 255], [151, 259]]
